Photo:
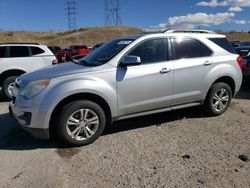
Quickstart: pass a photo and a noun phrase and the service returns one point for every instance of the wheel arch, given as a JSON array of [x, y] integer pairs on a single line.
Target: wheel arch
[[9, 73], [225, 79], [80, 96], [228, 80]]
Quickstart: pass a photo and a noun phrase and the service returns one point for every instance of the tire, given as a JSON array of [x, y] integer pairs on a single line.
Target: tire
[[216, 102], [73, 120], [7, 86]]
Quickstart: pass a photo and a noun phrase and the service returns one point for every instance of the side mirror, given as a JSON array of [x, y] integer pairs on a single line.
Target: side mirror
[[131, 60]]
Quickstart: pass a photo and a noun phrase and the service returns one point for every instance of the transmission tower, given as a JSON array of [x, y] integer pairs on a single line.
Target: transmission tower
[[113, 12], [71, 13]]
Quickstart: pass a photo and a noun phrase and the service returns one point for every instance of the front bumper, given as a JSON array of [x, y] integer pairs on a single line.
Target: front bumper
[[24, 116]]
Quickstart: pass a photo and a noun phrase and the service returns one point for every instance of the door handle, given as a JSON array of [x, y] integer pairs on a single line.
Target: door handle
[[207, 63], [165, 71]]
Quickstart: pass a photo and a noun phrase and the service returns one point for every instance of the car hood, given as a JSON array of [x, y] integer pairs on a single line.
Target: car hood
[[53, 71]]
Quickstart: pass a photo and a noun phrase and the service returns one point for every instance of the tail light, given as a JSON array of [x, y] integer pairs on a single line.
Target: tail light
[[240, 61], [54, 62]]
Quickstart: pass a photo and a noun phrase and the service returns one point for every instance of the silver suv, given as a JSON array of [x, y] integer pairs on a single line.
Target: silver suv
[[19, 58], [127, 77]]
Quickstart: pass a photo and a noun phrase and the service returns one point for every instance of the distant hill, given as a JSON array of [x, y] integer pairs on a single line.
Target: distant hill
[[234, 36], [87, 36]]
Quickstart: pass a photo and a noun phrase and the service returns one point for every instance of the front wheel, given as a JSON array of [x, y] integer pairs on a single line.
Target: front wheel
[[218, 99], [80, 123]]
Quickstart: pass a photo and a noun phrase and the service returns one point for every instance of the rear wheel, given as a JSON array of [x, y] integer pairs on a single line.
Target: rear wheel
[[8, 85], [218, 99], [81, 123]]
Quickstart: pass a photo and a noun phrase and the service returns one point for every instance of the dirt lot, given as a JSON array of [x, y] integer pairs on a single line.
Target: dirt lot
[[174, 149]]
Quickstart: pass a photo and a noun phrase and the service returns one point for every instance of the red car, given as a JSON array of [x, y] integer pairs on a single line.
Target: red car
[[79, 50], [66, 54], [55, 49]]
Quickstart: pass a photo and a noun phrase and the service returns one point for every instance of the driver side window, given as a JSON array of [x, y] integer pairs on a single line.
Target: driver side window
[[151, 51]]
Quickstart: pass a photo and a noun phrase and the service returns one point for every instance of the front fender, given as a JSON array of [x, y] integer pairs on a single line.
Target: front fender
[[62, 90]]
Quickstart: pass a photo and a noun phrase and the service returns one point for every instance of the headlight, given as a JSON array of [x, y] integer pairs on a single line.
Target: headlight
[[34, 88]]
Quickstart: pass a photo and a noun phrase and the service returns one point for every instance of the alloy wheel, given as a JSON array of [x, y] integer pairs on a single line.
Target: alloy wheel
[[82, 124], [10, 87], [220, 100]]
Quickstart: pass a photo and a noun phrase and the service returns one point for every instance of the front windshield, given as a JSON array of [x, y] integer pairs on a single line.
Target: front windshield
[[105, 53]]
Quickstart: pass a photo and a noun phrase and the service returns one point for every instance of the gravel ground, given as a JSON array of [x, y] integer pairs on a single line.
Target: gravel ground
[[174, 149]]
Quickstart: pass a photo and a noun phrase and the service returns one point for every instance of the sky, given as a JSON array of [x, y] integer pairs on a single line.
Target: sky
[[49, 15]]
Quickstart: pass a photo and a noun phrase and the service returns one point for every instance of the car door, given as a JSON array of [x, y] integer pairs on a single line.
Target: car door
[[39, 58], [147, 86], [192, 62]]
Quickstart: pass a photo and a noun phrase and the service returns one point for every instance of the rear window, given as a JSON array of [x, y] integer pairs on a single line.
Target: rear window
[[190, 48], [36, 50], [2, 51], [224, 43], [19, 51]]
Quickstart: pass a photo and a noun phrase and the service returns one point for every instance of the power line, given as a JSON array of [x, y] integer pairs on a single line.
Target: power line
[[71, 12], [113, 12]]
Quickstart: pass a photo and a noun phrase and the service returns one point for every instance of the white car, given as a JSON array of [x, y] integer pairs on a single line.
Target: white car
[[19, 58]]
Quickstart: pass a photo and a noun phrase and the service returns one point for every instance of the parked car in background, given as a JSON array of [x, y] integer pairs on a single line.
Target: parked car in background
[[19, 58], [128, 77], [244, 52], [97, 46], [55, 49], [84, 50], [235, 43], [77, 57], [244, 43], [74, 50]]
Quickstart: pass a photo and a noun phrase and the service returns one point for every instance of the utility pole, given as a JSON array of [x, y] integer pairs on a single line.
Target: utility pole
[[113, 12], [71, 13]]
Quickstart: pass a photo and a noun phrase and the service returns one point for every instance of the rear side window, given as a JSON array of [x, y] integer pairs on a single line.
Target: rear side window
[[150, 51], [205, 51], [36, 50], [190, 48], [19, 51], [223, 43], [2, 51]]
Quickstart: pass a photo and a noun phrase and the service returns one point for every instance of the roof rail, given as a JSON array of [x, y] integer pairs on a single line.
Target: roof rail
[[189, 31], [32, 43]]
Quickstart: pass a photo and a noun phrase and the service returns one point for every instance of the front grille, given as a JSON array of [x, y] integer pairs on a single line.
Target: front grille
[[26, 117]]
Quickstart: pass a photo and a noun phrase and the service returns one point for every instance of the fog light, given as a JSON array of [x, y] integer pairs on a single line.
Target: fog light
[[26, 117]]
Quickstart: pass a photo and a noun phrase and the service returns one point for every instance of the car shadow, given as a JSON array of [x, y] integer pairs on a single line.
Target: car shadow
[[12, 137], [154, 120], [2, 98]]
